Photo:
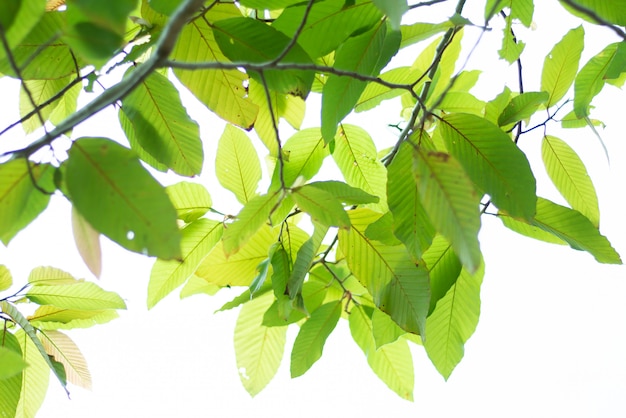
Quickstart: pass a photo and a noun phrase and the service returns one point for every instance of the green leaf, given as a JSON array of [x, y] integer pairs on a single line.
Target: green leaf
[[322, 206], [356, 157], [309, 343], [384, 330], [444, 268], [613, 11], [561, 65], [196, 286], [268, 4], [511, 48], [50, 276], [120, 199], [344, 193], [591, 79], [51, 317], [392, 363], [523, 10], [411, 223], [398, 285], [258, 349], [238, 269], [249, 40], [80, 296], [10, 387], [523, 228], [418, 32], [249, 220], [11, 363], [492, 161], [198, 239], [575, 229], [35, 377], [376, 93], [449, 198], [222, 91], [304, 259], [569, 175], [191, 200], [65, 351], [365, 54], [522, 107], [237, 164], [394, 9], [19, 18], [6, 280], [328, 25], [87, 241], [617, 66], [453, 322], [303, 155], [41, 91], [462, 102], [20, 201], [162, 126]]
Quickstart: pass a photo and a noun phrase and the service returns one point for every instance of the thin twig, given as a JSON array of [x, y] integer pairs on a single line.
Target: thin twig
[[162, 50], [297, 33], [425, 3], [270, 106]]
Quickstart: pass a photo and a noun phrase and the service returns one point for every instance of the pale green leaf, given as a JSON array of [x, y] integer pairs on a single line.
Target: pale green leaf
[[41, 91], [462, 102], [398, 285], [492, 161], [345, 193], [198, 239], [444, 268], [303, 155], [6, 280], [258, 349], [80, 296], [384, 330], [528, 230], [569, 175], [191, 200], [591, 79], [50, 276], [65, 351], [450, 200], [392, 363], [196, 286], [511, 48], [20, 201], [162, 126], [522, 10], [321, 206], [249, 220], [375, 93], [239, 269], [561, 65], [575, 229], [120, 199], [87, 241], [237, 164], [357, 158], [522, 107], [309, 343], [35, 377], [411, 224], [453, 322], [394, 9], [418, 32], [51, 317], [10, 387]]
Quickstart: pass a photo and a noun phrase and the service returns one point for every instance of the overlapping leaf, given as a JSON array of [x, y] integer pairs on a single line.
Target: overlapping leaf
[[492, 161], [51, 317], [303, 155], [522, 107], [162, 126], [35, 377], [590, 79], [443, 268], [11, 387], [65, 351], [120, 199], [80, 296], [191, 200], [198, 239]]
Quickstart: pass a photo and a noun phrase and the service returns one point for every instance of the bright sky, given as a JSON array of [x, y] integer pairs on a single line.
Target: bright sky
[[550, 342]]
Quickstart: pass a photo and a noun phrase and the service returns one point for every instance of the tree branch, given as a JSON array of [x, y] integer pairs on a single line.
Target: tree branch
[[162, 50], [294, 39]]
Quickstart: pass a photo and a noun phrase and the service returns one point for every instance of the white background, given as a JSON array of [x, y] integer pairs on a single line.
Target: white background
[[551, 341]]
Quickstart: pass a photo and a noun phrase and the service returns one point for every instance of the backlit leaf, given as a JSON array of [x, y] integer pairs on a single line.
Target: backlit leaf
[[394, 9], [322, 206], [35, 377], [309, 343], [561, 65], [5, 278], [522, 107], [65, 351], [444, 268], [198, 239], [237, 164], [120, 199], [51, 317], [196, 286], [258, 349], [590, 79], [80, 296], [10, 387], [191, 200], [87, 241], [11, 363], [345, 193], [303, 155], [569, 175]]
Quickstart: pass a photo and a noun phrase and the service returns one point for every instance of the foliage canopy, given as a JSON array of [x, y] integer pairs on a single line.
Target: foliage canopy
[[389, 244]]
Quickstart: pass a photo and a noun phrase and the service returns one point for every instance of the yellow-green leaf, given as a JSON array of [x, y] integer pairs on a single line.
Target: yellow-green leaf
[[10, 387], [258, 349], [87, 241], [321, 206], [569, 175], [191, 200], [237, 164], [51, 317], [35, 377], [561, 65], [65, 351], [198, 239], [80, 296], [6, 280]]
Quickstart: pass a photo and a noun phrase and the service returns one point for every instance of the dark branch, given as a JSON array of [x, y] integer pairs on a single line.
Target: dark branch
[[595, 17]]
